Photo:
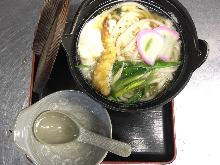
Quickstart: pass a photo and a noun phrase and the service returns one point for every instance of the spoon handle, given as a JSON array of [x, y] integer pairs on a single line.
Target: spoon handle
[[114, 146]]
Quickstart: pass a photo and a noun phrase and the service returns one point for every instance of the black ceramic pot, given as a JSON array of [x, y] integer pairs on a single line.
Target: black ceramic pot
[[194, 50]]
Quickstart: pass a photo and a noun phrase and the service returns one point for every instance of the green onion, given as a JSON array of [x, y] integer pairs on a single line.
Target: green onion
[[134, 85], [136, 70]]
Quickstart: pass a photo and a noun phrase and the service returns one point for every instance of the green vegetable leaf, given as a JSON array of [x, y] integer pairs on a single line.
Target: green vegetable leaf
[[136, 70], [136, 97], [130, 87], [117, 65], [133, 78], [127, 78]]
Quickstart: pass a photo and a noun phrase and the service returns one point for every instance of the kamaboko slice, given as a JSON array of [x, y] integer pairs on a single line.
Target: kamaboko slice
[[149, 44]]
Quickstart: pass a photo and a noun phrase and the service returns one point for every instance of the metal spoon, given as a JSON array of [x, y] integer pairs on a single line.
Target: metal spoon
[[57, 128]]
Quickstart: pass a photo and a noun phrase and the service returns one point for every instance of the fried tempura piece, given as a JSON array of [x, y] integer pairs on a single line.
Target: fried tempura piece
[[103, 70]]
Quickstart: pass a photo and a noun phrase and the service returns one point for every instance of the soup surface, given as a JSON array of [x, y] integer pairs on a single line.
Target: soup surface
[[129, 53]]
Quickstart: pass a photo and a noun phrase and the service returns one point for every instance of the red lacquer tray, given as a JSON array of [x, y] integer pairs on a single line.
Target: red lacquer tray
[[150, 133]]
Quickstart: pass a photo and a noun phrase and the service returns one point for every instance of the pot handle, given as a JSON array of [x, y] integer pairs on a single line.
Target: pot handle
[[202, 54]]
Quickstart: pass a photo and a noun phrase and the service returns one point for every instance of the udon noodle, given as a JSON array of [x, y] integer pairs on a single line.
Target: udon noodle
[[129, 53]]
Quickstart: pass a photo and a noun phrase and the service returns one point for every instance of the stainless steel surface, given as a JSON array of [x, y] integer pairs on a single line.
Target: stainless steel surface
[[196, 107], [17, 22]]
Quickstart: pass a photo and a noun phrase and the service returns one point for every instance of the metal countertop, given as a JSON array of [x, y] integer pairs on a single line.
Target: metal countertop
[[196, 107]]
